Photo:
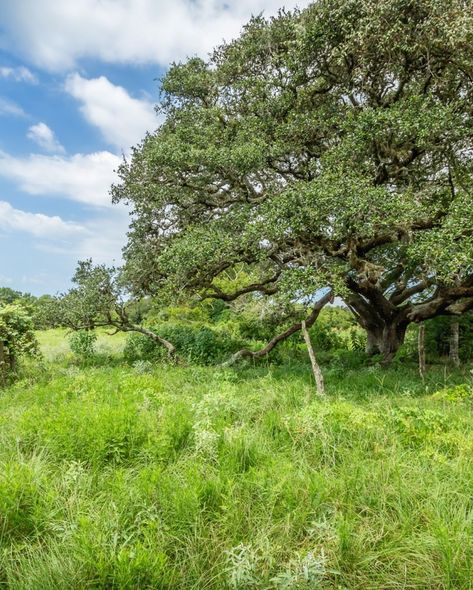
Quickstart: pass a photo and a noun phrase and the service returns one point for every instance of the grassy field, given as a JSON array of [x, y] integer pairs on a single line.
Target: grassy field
[[144, 477]]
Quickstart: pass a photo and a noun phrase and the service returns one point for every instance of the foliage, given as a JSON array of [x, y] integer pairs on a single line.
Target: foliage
[[457, 393], [8, 295], [82, 343], [38, 307], [438, 336], [196, 343], [17, 339], [44, 312], [323, 147], [336, 329], [100, 298]]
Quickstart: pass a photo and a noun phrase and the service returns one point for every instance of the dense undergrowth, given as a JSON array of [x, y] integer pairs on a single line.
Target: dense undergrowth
[[151, 476]]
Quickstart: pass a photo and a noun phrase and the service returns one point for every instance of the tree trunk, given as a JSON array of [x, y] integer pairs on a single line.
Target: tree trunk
[[372, 342], [421, 347], [319, 378], [385, 329], [455, 344], [385, 340]]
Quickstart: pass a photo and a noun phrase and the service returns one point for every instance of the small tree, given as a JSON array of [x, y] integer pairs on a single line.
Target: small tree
[[82, 343], [17, 339], [100, 298]]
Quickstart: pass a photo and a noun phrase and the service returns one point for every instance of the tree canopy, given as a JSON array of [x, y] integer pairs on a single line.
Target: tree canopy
[[329, 147]]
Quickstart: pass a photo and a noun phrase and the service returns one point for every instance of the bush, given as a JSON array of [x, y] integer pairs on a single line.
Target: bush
[[82, 343], [457, 393], [438, 335], [17, 339], [195, 343], [141, 348]]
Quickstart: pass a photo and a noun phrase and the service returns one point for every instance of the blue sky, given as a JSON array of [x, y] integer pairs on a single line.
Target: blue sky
[[78, 83]]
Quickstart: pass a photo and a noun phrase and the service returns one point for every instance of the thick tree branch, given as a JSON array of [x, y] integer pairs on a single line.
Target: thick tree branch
[[266, 287], [399, 297], [310, 320]]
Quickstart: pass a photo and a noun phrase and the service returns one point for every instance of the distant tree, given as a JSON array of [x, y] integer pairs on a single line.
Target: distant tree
[[329, 147], [17, 339], [8, 295]]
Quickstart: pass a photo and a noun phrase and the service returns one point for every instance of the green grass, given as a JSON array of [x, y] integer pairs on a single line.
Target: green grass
[[54, 343], [209, 478]]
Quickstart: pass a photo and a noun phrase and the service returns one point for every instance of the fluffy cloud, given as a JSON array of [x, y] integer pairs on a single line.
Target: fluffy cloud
[[100, 238], [121, 119], [8, 107], [43, 136], [56, 35], [36, 224], [85, 178], [20, 74]]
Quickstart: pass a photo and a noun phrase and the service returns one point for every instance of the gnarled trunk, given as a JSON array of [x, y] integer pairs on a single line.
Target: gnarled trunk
[[385, 339], [372, 341], [392, 338]]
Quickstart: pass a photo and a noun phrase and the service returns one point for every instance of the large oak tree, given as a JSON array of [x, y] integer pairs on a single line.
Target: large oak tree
[[330, 147]]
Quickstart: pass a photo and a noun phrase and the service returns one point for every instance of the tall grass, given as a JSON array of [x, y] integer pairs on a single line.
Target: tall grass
[[206, 478]]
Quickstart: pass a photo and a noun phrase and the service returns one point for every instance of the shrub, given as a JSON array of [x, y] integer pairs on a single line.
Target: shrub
[[82, 343], [416, 425], [196, 343], [458, 393], [141, 348], [438, 334], [17, 339]]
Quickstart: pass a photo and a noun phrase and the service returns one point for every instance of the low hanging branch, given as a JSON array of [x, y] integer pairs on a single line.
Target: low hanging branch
[[309, 321], [127, 326], [130, 327]]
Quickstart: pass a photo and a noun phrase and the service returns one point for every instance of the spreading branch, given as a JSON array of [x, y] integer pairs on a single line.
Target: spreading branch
[[309, 321]]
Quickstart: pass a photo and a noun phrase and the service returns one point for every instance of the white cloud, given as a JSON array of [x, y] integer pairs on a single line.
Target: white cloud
[[121, 119], [56, 35], [36, 224], [85, 178], [43, 136], [20, 74], [8, 107], [102, 239]]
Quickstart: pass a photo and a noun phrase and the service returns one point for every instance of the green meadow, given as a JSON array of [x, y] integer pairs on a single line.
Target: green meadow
[[185, 477]]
